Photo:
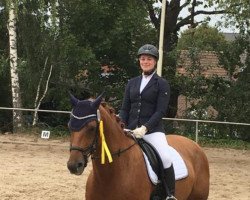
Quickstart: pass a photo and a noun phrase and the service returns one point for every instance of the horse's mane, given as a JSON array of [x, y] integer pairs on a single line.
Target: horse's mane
[[111, 111]]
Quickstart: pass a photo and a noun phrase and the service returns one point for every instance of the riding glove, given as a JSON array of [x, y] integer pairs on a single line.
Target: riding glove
[[140, 132]]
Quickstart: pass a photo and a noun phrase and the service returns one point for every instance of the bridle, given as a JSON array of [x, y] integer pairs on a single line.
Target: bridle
[[89, 150]]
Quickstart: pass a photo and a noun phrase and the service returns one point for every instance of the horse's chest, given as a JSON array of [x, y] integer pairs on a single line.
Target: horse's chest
[[118, 190]]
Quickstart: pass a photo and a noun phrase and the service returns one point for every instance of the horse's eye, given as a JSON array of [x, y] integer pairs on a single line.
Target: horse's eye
[[91, 128]]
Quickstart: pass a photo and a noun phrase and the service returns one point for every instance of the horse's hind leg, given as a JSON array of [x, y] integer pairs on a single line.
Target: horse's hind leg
[[200, 189], [199, 193]]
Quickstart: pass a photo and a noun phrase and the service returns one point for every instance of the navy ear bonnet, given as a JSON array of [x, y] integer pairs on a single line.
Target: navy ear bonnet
[[83, 112]]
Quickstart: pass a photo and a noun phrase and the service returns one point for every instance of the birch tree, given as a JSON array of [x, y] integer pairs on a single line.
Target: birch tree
[[52, 27], [16, 95], [37, 100]]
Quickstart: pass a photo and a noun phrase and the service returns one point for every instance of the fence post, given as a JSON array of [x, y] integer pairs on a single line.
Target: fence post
[[196, 131]]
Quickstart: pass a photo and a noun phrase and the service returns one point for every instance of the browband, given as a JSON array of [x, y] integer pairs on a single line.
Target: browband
[[88, 116]]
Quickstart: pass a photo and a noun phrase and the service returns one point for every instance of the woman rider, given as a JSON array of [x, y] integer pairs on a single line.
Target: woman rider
[[144, 105]]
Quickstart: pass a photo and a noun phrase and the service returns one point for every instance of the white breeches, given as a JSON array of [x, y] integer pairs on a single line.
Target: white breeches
[[158, 140]]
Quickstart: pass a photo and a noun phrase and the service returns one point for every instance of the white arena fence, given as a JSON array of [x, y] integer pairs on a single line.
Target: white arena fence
[[196, 121]]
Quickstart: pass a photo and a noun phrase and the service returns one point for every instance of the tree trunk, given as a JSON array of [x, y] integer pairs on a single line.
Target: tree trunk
[[38, 102], [170, 41], [16, 95]]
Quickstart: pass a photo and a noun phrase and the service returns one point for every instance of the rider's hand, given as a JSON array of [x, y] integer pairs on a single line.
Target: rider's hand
[[140, 132]]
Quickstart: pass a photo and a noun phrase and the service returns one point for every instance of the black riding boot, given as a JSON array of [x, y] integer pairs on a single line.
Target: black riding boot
[[169, 177]]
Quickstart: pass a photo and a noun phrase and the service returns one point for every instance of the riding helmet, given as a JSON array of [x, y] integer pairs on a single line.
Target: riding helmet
[[148, 49]]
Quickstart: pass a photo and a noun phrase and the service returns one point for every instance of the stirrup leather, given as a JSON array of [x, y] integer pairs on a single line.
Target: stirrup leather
[[171, 198]]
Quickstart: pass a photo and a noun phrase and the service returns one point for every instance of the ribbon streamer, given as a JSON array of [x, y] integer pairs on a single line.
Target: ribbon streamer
[[105, 148]]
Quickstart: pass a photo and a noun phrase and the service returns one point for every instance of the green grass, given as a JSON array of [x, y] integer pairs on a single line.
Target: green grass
[[63, 132], [219, 142], [55, 132], [224, 143]]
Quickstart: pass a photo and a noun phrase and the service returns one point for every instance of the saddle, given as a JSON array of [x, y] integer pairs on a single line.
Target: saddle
[[153, 157], [157, 166]]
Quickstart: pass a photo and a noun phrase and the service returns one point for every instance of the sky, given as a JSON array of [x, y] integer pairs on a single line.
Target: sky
[[213, 22], [214, 18]]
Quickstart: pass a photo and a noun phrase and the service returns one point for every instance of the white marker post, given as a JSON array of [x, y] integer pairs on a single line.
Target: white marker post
[[45, 134], [161, 37]]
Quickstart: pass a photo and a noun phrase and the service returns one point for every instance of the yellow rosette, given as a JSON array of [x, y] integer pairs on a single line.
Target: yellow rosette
[[105, 148]]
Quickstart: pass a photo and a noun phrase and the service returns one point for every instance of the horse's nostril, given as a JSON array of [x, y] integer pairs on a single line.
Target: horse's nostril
[[72, 168], [76, 167], [80, 164]]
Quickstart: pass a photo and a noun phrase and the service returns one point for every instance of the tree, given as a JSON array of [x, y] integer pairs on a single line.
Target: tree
[[227, 96], [113, 31], [40, 97], [173, 23], [199, 90], [83, 36], [235, 104], [15, 86], [238, 14], [88, 35], [203, 37]]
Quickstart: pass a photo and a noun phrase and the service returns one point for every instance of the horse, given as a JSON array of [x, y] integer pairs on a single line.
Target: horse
[[125, 176]]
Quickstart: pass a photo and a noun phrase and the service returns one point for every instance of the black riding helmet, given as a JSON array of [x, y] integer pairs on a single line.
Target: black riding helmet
[[148, 49]]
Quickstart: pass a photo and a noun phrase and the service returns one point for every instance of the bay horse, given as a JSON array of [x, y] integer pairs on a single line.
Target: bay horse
[[125, 178]]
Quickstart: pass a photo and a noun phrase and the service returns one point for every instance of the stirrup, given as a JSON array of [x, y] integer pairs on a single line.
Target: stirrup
[[171, 198]]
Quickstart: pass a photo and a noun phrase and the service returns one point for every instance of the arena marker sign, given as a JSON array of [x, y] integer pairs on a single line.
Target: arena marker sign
[[45, 134]]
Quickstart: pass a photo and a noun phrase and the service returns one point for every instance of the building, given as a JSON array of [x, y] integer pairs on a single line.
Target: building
[[209, 66]]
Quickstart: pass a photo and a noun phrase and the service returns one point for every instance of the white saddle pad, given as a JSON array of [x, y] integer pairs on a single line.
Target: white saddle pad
[[180, 167]]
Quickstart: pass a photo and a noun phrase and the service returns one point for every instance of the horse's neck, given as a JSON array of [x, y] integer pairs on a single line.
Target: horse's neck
[[114, 134], [114, 137]]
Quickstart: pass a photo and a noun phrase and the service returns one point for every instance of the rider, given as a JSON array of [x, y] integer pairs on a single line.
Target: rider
[[145, 103]]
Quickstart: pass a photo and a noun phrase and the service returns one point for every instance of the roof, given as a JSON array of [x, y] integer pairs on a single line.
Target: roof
[[231, 36]]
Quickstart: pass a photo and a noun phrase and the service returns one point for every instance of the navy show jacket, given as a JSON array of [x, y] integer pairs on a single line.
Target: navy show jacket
[[148, 107]]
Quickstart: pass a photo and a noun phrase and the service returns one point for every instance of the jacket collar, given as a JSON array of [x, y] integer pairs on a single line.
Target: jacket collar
[[150, 83]]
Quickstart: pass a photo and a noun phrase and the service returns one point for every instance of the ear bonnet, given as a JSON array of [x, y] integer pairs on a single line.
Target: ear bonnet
[[83, 111]]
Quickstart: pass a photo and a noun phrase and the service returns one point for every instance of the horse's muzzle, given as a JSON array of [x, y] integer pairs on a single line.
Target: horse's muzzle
[[76, 167]]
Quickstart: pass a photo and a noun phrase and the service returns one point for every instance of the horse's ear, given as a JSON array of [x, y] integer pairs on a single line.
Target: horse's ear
[[73, 100], [96, 103]]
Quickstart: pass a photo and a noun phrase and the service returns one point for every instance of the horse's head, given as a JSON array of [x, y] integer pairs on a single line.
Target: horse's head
[[83, 125]]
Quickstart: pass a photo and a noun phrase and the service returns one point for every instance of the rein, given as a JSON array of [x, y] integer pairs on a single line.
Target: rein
[[116, 153]]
